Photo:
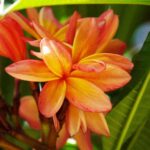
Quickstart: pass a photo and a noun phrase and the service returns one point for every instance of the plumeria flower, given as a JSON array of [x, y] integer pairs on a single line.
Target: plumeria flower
[[11, 38], [77, 72]]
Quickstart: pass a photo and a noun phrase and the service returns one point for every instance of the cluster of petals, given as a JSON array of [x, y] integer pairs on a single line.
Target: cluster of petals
[[79, 62]]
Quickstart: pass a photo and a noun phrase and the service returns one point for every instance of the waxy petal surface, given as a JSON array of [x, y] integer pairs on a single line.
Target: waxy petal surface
[[31, 70], [56, 56], [110, 79], [97, 124], [28, 110], [51, 97], [86, 96]]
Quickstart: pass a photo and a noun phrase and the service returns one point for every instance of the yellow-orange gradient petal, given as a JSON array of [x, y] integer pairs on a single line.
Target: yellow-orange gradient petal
[[51, 97], [110, 79], [74, 119], [86, 39], [115, 46], [48, 20], [110, 58], [30, 70], [98, 123], [56, 56], [109, 30], [84, 140], [28, 111], [86, 96]]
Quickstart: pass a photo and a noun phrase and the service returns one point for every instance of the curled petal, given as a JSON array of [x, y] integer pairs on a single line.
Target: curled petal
[[52, 97], [84, 140], [110, 79], [98, 123], [90, 66], [35, 43], [56, 56], [115, 46], [27, 107], [30, 70], [86, 96], [113, 59], [62, 137]]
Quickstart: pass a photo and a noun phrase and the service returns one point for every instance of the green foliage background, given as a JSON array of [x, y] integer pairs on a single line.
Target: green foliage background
[[129, 121]]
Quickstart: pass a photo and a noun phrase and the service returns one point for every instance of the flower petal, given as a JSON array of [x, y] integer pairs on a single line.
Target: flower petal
[[27, 107], [86, 41], [30, 70], [109, 30], [33, 14], [90, 66], [48, 20], [62, 137], [84, 140], [110, 58], [74, 119], [98, 123], [72, 27], [12, 46], [86, 96], [110, 79], [56, 56], [115, 46], [24, 23], [51, 98]]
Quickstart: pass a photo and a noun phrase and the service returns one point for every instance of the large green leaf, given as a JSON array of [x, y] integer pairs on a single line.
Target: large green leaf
[[22, 4], [128, 115], [141, 141]]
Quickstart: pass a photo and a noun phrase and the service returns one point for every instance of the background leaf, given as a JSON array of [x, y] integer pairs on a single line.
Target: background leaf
[[133, 109]]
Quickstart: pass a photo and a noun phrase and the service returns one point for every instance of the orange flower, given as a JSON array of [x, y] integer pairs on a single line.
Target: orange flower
[[11, 38], [77, 72]]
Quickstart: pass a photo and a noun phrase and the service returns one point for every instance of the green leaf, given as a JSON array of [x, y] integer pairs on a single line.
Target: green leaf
[[22, 4], [128, 115], [141, 138]]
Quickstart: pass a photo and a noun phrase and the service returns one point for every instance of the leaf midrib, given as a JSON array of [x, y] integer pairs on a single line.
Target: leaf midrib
[[132, 113]]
